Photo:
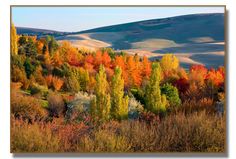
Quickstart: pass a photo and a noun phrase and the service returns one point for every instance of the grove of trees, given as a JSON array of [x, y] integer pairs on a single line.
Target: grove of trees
[[77, 100]]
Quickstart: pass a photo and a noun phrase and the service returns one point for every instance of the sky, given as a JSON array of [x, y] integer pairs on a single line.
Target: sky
[[72, 19]]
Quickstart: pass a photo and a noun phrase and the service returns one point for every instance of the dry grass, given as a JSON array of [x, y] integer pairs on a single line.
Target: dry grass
[[197, 132]]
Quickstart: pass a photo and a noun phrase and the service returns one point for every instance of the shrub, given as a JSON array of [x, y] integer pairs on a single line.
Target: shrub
[[149, 118], [72, 84], [39, 77], [36, 137], [56, 105], [135, 108], [19, 75], [196, 132], [138, 94], [27, 108], [194, 105], [39, 89], [171, 93]]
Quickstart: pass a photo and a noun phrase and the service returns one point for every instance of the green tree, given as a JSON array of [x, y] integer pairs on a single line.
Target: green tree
[[72, 84], [101, 105], [29, 68], [22, 40], [171, 93], [21, 45], [83, 78], [14, 39], [52, 44], [154, 101], [30, 48], [119, 103]]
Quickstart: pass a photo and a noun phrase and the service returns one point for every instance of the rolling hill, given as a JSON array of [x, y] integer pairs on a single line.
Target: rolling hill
[[195, 38], [39, 32]]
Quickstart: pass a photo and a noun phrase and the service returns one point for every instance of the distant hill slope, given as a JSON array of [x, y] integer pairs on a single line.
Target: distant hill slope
[[180, 29], [38, 32], [187, 36]]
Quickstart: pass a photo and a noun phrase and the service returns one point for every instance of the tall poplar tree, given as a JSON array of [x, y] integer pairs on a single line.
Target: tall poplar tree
[[101, 105], [14, 38], [119, 103], [154, 101]]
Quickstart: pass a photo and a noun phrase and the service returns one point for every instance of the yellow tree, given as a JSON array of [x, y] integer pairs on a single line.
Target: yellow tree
[[169, 62], [119, 103], [57, 60], [155, 102], [101, 105], [14, 39]]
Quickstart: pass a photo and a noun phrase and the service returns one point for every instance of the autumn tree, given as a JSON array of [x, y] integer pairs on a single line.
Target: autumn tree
[[29, 68], [57, 83], [38, 76], [172, 94], [30, 48], [98, 59], [197, 74], [119, 103], [146, 67], [83, 78], [57, 60], [101, 104], [155, 102], [106, 59], [89, 63], [14, 39], [120, 61], [40, 46], [18, 75], [215, 77], [72, 84], [169, 62], [52, 44], [134, 73]]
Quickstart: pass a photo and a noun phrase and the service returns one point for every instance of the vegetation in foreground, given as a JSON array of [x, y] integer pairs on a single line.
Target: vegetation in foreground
[[65, 99]]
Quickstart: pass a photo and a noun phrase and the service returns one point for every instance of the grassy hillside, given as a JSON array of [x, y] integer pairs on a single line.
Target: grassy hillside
[[193, 35]]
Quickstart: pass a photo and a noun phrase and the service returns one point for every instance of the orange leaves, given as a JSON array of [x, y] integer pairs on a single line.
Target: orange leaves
[[73, 57], [102, 58], [199, 69], [198, 74], [89, 59], [106, 60], [146, 67], [133, 70], [57, 83], [216, 76], [57, 60], [119, 61], [98, 59], [54, 82], [49, 80], [70, 54], [39, 46]]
